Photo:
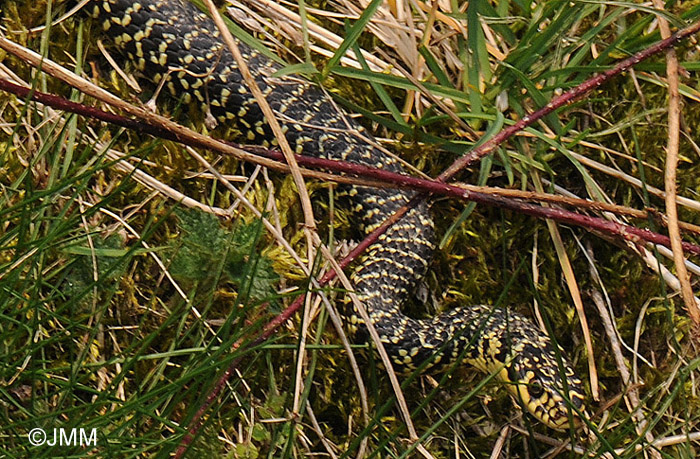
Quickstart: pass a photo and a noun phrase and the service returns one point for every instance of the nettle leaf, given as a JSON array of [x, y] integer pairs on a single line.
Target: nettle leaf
[[245, 237], [204, 244], [256, 277]]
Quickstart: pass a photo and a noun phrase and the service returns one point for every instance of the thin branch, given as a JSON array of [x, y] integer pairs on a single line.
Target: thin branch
[[565, 99], [629, 233], [375, 177]]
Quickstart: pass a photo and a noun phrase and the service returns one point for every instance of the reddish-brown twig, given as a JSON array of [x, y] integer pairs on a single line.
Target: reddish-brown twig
[[627, 232], [566, 98], [376, 177], [458, 165]]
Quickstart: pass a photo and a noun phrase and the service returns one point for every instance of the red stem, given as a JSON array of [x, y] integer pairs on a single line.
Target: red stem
[[560, 215], [476, 154], [566, 98], [397, 180]]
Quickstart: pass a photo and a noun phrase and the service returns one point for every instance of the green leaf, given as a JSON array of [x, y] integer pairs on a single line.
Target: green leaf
[[204, 243], [352, 35], [304, 68]]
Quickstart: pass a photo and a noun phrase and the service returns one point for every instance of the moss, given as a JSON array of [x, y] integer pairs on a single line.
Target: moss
[[146, 316]]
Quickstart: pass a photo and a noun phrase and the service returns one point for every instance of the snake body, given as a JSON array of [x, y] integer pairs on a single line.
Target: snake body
[[172, 39]]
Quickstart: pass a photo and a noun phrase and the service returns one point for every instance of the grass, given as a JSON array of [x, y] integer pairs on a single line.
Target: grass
[[120, 307]]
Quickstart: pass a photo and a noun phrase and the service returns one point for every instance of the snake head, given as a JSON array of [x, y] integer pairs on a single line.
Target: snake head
[[550, 392]]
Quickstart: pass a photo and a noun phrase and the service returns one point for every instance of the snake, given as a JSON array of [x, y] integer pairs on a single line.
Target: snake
[[174, 44]]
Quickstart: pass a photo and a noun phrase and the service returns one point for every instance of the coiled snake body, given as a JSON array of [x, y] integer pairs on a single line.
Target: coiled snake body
[[158, 35]]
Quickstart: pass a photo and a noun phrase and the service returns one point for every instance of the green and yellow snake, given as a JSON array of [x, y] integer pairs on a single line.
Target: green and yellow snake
[[172, 39]]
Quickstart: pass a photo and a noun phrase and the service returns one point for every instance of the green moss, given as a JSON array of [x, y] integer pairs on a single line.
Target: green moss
[[139, 360]]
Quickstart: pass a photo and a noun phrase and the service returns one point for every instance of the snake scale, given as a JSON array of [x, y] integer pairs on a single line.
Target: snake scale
[[172, 39]]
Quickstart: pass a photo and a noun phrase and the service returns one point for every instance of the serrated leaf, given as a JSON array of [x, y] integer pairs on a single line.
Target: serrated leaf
[[204, 243]]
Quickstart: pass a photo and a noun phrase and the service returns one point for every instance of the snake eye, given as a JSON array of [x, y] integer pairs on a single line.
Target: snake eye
[[535, 390]]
